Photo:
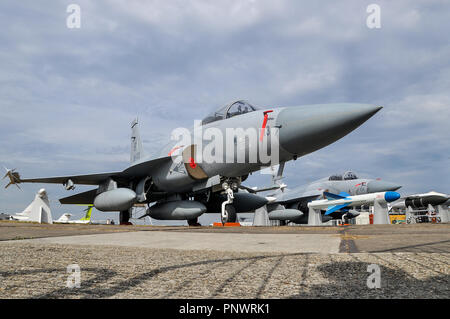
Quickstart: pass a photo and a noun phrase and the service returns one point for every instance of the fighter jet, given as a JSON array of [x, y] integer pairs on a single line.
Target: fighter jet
[[295, 201], [180, 184]]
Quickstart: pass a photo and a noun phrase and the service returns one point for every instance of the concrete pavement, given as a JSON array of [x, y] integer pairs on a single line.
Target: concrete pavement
[[235, 242]]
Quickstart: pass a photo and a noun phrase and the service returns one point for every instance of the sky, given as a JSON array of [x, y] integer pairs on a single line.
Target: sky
[[68, 95]]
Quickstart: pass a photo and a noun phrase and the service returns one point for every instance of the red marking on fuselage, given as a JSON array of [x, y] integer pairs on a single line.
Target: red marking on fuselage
[[174, 149], [263, 128], [192, 163]]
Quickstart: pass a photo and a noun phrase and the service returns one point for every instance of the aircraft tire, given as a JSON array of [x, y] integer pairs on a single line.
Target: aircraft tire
[[231, 214], [124, 217], [193, 222]]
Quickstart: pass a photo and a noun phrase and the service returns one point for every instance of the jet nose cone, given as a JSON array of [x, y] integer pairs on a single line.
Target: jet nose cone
[[381, 186], [391, 196], [304, 129]]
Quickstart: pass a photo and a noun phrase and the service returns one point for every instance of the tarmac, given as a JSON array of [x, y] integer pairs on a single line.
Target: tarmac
[[239, 262]]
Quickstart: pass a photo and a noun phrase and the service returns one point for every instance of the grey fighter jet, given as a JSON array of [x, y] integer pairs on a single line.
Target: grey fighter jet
[[295, 201], [179, 185]]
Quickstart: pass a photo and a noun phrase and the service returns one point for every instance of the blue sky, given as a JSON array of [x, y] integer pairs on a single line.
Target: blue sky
[[67, 96]]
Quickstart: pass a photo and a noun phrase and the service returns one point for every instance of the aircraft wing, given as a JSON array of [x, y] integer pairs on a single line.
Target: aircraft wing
[[293, 196], [143, 168], [136, 171], [90, 179]]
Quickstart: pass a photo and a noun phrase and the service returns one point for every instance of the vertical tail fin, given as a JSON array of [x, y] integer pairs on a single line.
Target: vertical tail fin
[[277, 179], [88, 213], [277, 176], [136, 143]]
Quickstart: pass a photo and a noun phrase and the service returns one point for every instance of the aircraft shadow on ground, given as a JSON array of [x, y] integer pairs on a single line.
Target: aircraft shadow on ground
[[345, 280], [436, 246]]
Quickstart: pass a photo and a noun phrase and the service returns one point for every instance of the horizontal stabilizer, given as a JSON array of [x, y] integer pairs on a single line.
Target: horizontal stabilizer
[[335, 208], [331, 196], [85, 198]]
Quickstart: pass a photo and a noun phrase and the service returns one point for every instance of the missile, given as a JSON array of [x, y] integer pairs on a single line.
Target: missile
[[422, 200], [242, 202], [343, 200], [176, 210], [304, 219], [285, 214], [246, 202]]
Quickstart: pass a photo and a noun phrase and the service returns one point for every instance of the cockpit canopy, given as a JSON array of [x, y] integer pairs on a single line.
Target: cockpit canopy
[[347, 176], [229, 110]]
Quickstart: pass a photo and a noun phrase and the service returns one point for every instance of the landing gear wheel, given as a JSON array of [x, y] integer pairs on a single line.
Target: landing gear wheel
[[193, 222], [345, 220], [230, 215], [124, 217]]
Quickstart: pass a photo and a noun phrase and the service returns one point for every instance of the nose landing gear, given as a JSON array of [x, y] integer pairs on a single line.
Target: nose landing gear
[[345, 220]]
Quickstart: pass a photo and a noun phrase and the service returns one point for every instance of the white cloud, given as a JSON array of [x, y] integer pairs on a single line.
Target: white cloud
[[217, 16]]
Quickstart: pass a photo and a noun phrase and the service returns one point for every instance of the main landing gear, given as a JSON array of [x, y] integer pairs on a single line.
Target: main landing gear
[[193, 222], [124, 217]]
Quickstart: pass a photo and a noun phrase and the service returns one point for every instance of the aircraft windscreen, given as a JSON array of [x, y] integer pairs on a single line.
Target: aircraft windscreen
[[229, 110], [350, 175], [238, 108]]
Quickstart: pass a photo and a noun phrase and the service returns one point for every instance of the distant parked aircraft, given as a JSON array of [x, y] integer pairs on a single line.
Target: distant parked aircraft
[[65, 218], [38, 211]]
